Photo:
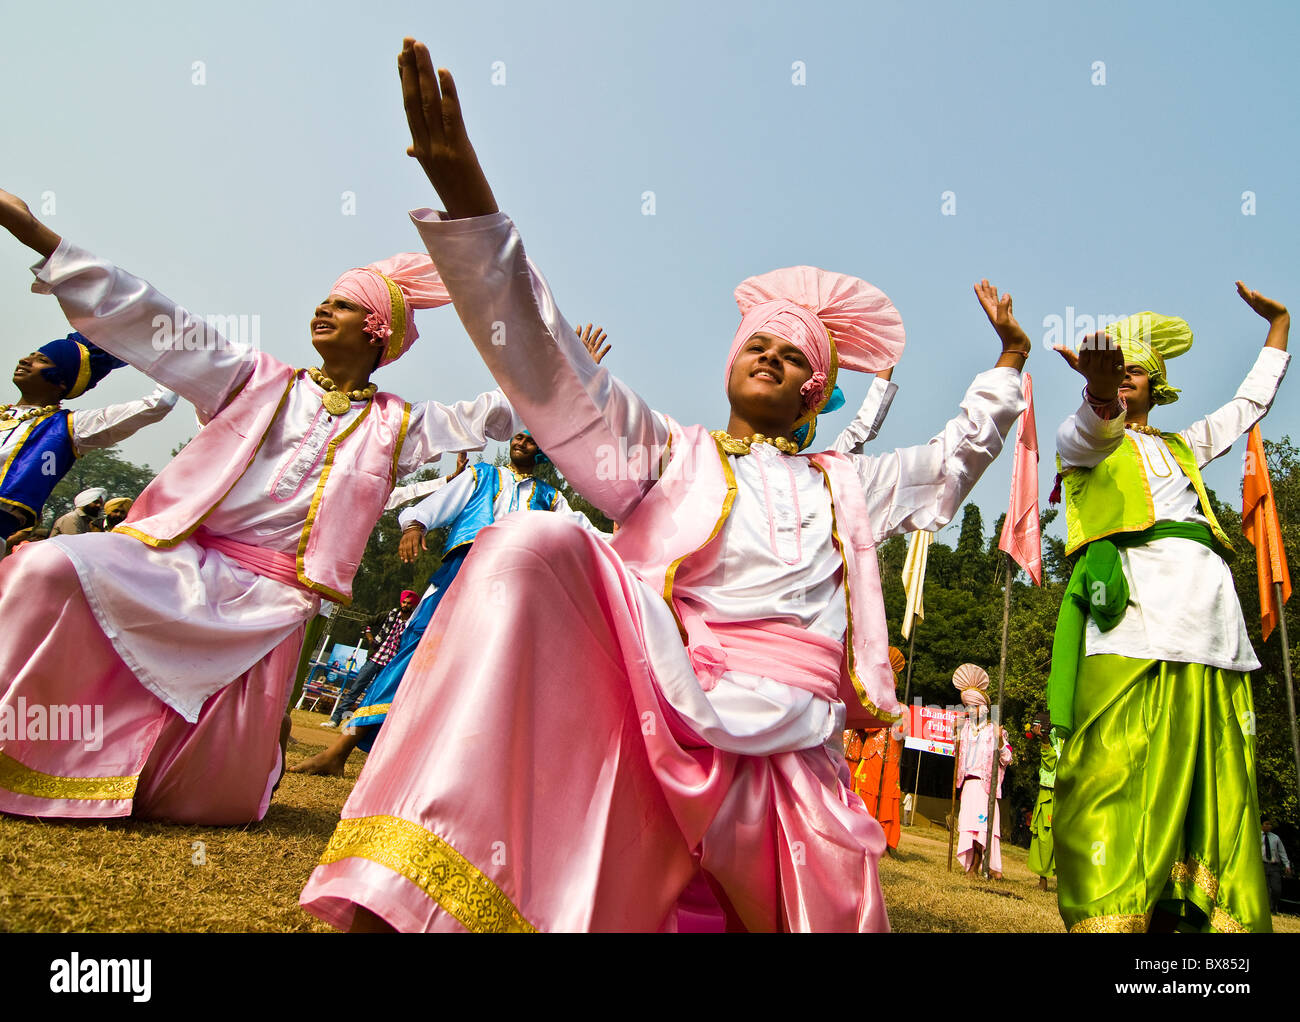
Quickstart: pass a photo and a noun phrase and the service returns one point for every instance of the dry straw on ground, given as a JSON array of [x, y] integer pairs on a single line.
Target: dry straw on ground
[[129, 876]]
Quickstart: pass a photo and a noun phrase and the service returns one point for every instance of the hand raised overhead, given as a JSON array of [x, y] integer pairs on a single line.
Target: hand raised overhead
[[1015, 342], [19, 221], [1264, 307], [1100, 362], [591, 336], [438, 137]]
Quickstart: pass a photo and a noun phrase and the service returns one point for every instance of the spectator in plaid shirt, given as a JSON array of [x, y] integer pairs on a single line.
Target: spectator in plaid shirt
[[384, 644]]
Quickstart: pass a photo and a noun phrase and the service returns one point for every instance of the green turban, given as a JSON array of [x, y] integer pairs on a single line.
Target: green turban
[[1147, 339]]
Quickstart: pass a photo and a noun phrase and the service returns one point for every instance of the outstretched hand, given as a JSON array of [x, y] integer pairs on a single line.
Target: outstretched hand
[[998, 310], [19, 221], [591, 336], [438, 137], [1100, 362], [1265, 307]]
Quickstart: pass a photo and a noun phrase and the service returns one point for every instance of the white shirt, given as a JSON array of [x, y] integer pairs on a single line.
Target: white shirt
[[775, 562], [1183, 605], [187, 620], [96, 428]]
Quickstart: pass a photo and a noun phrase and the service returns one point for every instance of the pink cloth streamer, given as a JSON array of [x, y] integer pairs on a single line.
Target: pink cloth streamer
[[801, 303], [421, 288], [218, 771], [1021, 535], [534, 743]]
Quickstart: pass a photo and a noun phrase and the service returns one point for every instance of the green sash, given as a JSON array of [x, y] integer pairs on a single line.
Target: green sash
[[1098, 587]]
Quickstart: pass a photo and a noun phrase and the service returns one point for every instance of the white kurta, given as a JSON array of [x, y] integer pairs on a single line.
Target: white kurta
[[1183, 605], [871, 416], [776, 561], [445, 505], [96, 428], [188, 620]]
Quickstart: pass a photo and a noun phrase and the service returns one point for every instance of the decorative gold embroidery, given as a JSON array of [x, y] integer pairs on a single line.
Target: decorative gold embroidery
[[371, 711], [727, 501], [858, 687], [313, 509], [431, 864], [23, 780], [1199, 875], [1112, 924]]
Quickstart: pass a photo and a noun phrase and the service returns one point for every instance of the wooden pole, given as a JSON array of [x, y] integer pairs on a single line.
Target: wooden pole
[[987, 869], [1286, 670], [916, 786], [952, 825]]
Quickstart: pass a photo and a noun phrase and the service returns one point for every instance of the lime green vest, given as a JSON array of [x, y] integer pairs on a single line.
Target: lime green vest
[[1116, 497]]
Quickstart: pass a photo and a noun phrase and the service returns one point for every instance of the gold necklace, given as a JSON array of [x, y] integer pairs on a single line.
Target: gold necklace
[[335, 401], [1146, 458], [10, 417], [732, 445]]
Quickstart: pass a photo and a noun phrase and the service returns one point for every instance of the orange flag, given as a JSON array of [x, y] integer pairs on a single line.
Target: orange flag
[[1259, 523], [1020, 531]]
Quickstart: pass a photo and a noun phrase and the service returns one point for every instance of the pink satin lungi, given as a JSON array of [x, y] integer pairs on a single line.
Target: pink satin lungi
[[530, 776], [147, 761]]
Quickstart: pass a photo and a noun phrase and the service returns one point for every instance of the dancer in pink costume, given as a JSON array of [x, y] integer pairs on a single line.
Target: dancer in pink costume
[[979, 735], [646, 734], [182, 627]]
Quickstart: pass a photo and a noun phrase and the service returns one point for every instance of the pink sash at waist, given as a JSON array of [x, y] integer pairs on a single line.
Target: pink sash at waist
[[786, 653], [269, 563]]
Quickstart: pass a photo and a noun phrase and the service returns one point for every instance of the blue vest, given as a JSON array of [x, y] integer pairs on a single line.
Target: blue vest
[[33, 468], [478, 513]]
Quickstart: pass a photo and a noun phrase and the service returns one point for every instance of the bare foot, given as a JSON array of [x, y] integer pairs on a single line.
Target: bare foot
[[332, 761], [1042, 881]]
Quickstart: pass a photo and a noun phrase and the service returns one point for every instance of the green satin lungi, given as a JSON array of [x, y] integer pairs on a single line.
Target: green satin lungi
[[1042, 853], [1156, 802]]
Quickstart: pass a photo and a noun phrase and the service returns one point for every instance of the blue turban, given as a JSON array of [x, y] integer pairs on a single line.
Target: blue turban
[[539, 458], [78, 364]]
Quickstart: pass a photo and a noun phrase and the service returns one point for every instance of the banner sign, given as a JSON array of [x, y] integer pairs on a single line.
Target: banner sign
[[933, 729]]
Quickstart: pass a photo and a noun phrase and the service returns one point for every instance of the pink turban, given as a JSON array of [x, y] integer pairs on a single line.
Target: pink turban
[[971, 681], [835, 320], [391, 290], [408, 592]]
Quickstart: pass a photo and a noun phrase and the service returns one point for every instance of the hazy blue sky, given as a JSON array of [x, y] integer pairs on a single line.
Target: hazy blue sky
[[223, 182]]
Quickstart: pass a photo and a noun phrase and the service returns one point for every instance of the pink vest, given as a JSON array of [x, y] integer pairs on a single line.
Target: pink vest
[[358, 474], [685, 511]]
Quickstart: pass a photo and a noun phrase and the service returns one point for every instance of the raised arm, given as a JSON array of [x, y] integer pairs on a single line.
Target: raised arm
[[599, 432], [128, 318], [917, 488], [1213, 435], [1091, 435], [94, 428], [871, 415], [435, 429]]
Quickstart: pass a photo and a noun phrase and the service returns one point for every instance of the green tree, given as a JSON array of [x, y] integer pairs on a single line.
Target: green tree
[[105, 468]]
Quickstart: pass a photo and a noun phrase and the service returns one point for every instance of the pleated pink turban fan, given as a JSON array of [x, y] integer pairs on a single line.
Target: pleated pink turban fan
[[837, 321], [391, 290], [971, 681]]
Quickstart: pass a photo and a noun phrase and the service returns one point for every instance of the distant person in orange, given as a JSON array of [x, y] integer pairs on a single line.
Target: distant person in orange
[[874, 758]]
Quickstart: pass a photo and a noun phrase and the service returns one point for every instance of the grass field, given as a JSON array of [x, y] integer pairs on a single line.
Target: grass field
[[126, 876]]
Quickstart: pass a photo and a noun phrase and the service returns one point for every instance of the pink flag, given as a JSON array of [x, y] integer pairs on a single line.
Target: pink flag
[[1020, 534]]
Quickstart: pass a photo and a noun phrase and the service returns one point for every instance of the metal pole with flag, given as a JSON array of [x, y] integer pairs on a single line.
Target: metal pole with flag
[[1021, 541], [918, 553], [1260, 523]]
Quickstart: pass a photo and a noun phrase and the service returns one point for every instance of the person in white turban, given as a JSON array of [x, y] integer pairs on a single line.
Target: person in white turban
[[87, 506]]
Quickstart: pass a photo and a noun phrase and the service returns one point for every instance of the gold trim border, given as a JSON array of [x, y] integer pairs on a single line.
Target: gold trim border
[[433, 865], [1193, 872], [23, 780]]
